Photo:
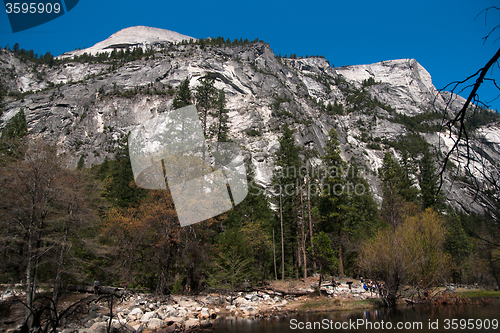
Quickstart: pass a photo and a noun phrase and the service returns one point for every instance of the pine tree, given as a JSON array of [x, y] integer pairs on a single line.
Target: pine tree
[[429, 183], [397, 187], [408, 191], [206, 95], [285, 182], [220, 128], [183, 96], [363, 217], [335, 201], [16, 128], [118, 177], [324, 256]]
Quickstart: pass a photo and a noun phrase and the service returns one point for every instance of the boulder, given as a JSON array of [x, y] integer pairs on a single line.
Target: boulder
[[148, 316], [250, 311], [155, 323], [98, 328], [191, 323], [135, 314], [255, 298], [204, 314], [182, 312]]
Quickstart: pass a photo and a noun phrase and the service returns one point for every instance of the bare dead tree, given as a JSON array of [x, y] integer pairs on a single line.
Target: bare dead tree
[[458, 122], [479, 168]]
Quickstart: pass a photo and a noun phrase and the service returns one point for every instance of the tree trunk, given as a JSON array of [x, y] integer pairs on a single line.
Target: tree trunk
[[57, 283], [303, 237], [29, 290], [341, 261], [282, 243], [320, 281], [274, 257], [299, 254], [311, 229], [493, 266], [103, 290]]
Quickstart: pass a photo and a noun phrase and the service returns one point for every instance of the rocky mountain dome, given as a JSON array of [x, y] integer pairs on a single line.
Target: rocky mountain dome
[[139, 36]]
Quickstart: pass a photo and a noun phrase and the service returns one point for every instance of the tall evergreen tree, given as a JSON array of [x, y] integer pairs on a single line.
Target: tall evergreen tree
[[397, 187], [118, 178], [335, 201], [285, 182], [16, 127], [220, 128], [407, 188], [183, 96], [429, 183], [206, 95], [363, 216]]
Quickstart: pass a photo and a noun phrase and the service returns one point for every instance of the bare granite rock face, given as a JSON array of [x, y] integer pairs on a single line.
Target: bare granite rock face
[[86, 108]]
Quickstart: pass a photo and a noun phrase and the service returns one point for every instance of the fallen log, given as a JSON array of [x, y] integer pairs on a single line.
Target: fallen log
[[275, 291], [103, 290]]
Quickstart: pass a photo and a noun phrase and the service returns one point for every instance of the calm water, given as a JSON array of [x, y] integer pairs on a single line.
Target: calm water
[[450, 318]]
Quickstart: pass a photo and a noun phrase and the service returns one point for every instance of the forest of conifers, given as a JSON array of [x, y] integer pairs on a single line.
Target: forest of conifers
[[60, 226]]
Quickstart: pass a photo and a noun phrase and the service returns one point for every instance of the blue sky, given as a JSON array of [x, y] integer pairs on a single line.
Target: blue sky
[[443, 35]]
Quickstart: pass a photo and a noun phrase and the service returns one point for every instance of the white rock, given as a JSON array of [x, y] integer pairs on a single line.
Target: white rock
[[155, 323], [148, 316], [135, 314], [191, 323]]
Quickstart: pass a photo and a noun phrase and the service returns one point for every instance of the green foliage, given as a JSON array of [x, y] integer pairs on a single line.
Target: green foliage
[[360, 100], [347, 209], [206, 98], [16, 127], [374, 146], [183, 96], [397, 187], [369, 82], [81, 162], [246, 232], [334, 109], [119, 187], [285, 182], [460, 246], [480, 117], [220, 128], [412, 143], [324, 253], [277, 102], [30, 55], [253, 132], [420, 123], [429, 183], [230, 269], [220, 42], [411, 253]]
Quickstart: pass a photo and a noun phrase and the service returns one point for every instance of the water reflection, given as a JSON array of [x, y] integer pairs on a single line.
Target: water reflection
[[411, 318]]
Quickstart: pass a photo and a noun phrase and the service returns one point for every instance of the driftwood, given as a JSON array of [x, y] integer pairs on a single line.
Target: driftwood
[[103, 290], [410, 301], [275, 291]]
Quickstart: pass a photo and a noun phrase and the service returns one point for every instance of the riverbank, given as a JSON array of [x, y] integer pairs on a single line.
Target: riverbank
[[144, 313]]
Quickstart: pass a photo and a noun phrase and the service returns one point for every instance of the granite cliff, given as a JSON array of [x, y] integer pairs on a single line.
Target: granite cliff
[[84, 107]]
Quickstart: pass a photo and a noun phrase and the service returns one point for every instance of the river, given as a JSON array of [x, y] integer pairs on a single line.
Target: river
[[449, 318]]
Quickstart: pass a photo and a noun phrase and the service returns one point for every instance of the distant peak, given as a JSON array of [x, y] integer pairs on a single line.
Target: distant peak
[[139, 33], [140, 36]]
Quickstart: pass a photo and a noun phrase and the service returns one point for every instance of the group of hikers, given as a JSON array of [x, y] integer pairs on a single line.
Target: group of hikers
[[372, 286]]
